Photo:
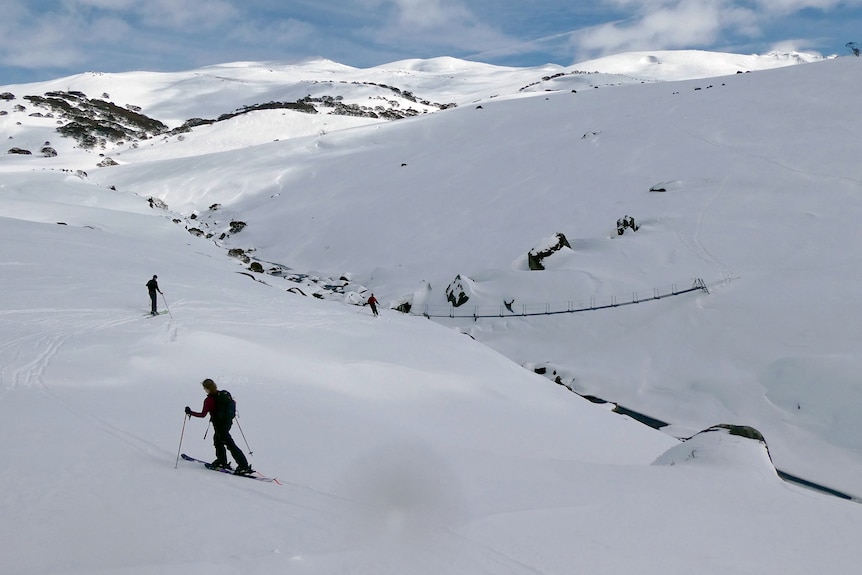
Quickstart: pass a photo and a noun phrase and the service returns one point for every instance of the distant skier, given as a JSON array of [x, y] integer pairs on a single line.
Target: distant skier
[[153, 287], [221, 409], [372, 301]]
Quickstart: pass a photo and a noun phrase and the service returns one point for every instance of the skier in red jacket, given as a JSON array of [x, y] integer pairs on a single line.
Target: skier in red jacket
[[372, 301], [221, 432]]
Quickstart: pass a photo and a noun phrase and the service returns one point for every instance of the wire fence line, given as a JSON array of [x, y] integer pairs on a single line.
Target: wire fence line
[[510, 309]]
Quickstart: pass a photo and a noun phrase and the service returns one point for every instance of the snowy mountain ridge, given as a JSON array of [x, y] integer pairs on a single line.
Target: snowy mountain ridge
[[183, 100]]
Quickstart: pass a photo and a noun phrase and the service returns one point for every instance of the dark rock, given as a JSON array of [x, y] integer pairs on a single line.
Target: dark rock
[[455, 293], [536, 255]]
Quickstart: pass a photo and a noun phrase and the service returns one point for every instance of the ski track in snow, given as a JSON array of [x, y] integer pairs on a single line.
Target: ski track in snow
[[40, 348], [43, 345], [720, 266], [27, 358]]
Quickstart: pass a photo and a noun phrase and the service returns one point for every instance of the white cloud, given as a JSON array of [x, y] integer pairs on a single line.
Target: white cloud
[[427, 14], [159, 14], [112, 5], [685, 23], [285, 32], [673, 24], [789, 6], [445, 25], [198, 15], [670, 24], [763, 6], [83, 33], [30, 42]]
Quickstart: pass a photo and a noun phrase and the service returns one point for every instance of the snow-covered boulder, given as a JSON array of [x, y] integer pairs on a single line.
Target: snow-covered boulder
[[459, 291], [546, 248]]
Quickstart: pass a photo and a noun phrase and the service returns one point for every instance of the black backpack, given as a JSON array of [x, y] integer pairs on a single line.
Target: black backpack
[[225, 407]]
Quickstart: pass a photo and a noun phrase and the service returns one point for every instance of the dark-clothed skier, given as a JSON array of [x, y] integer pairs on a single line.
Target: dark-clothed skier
[[221, 432], [153, 287]]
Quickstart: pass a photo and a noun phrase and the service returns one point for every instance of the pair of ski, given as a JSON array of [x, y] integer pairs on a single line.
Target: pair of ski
[[254, 475]]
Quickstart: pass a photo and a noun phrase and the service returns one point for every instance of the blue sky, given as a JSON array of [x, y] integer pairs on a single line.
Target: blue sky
[[44, 39]]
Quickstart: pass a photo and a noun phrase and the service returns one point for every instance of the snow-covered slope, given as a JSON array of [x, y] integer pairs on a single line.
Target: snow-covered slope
[[670, 65], [512, 172], [402, 445]]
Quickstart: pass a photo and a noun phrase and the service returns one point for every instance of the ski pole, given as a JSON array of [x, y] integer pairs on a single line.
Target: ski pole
[[208, 429], [166, 306], [247, 446], [181, 441]]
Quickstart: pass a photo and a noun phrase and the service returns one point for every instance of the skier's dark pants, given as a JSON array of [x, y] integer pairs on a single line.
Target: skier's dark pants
[[153, 301], [223, 440]]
